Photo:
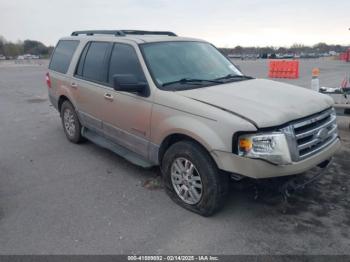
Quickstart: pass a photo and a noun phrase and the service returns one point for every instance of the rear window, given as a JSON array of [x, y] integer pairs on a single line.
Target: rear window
[[62, 55]]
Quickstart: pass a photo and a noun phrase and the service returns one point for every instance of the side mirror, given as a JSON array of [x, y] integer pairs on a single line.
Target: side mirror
[[129, 83]]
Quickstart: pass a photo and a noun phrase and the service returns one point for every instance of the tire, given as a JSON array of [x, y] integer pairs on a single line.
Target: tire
[[214, 185], [70, 122]]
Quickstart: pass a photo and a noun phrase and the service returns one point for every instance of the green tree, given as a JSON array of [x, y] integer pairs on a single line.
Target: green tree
[[11, 49], [34, 47], [282, 50], [238, 50], [2, 44], [322, 48]]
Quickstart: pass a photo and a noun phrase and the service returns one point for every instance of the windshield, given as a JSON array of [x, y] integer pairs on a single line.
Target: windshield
[[187, 64]]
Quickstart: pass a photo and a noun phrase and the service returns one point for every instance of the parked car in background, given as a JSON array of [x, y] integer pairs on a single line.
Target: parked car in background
[[161, 100]]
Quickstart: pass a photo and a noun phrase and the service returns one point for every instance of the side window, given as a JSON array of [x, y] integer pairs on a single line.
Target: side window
[[124, 61], [62, 55], [93, 57]]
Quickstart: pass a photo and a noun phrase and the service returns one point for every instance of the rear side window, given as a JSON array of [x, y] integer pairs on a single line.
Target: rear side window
[[124, 61], [62, 55], [92, 65]]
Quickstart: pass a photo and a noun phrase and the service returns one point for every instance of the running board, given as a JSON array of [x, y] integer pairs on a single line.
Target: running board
[[115, 148]]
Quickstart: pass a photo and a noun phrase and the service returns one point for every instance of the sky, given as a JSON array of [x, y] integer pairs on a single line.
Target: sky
[[226, 23]]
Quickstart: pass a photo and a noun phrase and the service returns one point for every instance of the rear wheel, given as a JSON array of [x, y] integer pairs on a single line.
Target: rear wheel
[[192, 179], [70, 123]]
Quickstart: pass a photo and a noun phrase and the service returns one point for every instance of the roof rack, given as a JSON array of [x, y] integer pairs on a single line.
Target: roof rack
[[99, 32], [142, 32], [122, 32]]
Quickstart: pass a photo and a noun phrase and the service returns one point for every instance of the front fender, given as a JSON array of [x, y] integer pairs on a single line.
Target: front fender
[[202, 130]]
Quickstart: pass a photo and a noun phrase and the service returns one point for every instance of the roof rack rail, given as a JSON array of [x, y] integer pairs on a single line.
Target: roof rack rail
[[122, 32], [99, 32], [142, 32]]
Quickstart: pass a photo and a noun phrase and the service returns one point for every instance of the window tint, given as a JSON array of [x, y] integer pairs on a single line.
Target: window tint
[[124, 61], [94, 66], [62, 55]]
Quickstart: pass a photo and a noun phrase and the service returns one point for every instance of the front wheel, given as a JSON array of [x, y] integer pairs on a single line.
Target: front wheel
[[192, 178]]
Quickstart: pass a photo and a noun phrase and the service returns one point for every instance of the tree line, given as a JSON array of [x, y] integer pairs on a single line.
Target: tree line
[[12, 50], [319, 48]]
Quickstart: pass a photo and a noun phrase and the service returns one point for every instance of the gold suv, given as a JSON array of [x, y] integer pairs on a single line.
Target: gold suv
[[158, 99]]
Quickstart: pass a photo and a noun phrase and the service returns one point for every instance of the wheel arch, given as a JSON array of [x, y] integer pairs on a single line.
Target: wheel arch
[[61, 99], [173, 138]]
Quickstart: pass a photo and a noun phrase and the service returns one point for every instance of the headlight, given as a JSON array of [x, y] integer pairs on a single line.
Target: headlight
[[272, 147]]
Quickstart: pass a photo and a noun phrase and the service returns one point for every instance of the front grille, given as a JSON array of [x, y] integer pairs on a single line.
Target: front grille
[[314, 133]]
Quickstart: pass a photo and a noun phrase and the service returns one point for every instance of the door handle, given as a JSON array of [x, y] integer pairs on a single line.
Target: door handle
[[74, 85], [108, 97]]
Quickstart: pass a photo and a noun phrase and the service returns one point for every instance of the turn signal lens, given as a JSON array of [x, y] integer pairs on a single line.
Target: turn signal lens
[[272, 147], [245, 144]]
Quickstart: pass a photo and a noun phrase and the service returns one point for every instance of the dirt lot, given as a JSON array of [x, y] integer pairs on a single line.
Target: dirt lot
[[61, 198]]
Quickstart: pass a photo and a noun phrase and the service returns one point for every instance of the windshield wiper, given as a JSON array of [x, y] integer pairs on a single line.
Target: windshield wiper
[[232, 76], [192, 81]]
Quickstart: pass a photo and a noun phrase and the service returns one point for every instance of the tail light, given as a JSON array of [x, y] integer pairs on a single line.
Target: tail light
[[48, 80]]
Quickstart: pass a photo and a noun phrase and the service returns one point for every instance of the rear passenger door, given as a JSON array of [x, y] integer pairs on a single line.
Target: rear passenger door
[[90, 80], [127, 115]]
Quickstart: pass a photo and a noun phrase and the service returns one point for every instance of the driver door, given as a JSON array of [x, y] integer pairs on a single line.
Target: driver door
[[127, 116]]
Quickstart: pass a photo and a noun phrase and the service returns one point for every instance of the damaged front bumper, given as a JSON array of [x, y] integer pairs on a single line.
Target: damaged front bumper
[[259, 169], [300, 182]]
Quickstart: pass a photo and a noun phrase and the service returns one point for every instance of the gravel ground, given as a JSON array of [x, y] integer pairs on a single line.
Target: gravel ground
[[61, 198], [332, 72]]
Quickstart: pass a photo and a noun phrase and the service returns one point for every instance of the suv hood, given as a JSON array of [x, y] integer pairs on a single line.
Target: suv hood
[[263, 102]]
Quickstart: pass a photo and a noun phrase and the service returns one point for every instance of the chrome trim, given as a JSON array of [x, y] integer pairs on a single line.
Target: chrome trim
[[312, 131], [290, 136], [332, 141], [311, 119], [315, 141], [315, 138]]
